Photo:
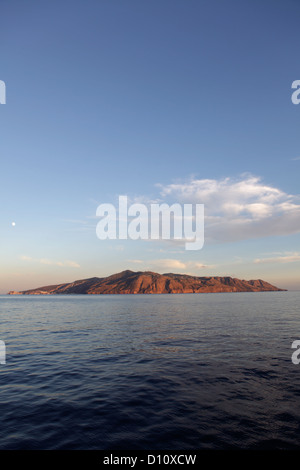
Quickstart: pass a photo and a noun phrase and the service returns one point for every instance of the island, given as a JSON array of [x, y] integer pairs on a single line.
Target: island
[[148, 282]]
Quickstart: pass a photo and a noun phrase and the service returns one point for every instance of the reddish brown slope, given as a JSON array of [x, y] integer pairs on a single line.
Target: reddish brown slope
[[129, 282]]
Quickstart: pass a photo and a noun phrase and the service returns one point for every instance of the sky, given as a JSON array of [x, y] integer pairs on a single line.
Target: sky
[[176, 101]]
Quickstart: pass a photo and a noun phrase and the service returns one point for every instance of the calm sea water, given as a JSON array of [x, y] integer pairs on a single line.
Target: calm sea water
[[208, 371]]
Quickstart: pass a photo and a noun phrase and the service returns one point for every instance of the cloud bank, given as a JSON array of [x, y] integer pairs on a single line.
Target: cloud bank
[[282, 258], [238, 209]]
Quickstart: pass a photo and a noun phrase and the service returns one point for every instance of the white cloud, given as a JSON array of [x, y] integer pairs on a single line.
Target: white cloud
[[68, 264], [177, 264], [163, 264], [238, 209], [235, 208], [168, 264], [26, 258], [284, 258]]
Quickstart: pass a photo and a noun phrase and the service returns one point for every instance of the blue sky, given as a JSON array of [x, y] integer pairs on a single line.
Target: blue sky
[[171, 100]]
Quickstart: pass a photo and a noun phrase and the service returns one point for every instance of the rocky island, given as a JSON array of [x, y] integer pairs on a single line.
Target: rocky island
[[130, 282]]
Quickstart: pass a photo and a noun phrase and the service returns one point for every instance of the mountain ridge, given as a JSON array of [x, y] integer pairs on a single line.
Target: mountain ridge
[[149, 282]]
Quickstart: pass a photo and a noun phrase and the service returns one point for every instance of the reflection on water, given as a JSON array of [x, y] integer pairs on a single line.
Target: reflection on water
[[182, 371]]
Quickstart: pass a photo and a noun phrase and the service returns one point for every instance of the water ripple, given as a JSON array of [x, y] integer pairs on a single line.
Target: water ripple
[[150, 372]]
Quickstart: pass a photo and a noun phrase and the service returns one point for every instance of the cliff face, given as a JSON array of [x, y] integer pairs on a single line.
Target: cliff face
[[129, 282]]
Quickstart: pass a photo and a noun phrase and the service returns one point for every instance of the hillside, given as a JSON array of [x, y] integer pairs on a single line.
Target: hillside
[[129, 282]]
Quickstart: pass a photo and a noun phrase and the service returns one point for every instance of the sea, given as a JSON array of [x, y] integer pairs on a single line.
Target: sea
[[170, 371]]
